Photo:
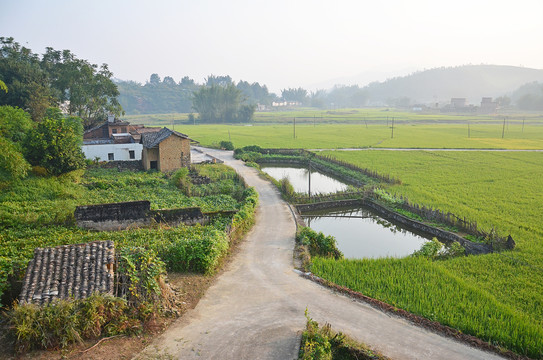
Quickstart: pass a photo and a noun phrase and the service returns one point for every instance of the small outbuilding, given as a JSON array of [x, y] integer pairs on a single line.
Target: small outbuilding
[[165, 150]]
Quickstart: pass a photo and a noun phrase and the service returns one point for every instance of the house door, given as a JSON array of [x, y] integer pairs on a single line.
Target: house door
[[154, 165]]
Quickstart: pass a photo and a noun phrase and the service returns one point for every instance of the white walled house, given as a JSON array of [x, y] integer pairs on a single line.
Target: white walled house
[[113, 152]]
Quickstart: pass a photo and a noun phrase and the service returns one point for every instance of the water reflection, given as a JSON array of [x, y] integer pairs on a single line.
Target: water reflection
[[299, 178], [362, 234]]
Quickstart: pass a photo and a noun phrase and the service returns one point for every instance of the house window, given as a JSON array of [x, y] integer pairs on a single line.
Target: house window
[[113, 131], [110, 157], [123, 129], [132, 154], [154, 165]]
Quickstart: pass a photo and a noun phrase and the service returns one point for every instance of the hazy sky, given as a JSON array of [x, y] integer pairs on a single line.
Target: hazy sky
[[281, 43]]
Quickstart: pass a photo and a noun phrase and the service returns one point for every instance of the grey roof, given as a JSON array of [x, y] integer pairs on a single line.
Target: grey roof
[[152, 139], [69, 271]]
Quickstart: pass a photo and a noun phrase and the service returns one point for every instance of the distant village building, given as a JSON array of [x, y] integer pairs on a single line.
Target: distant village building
[[458, 103], [286, 103], [488, 106], [165, 150]]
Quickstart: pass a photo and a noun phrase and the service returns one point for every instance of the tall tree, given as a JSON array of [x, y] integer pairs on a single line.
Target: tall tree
[[291, 94], [222, 104], [27, 82], [58, 77]]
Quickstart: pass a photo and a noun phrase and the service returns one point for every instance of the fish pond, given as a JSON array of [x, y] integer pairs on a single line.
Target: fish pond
[[299, 178], [362, 234]]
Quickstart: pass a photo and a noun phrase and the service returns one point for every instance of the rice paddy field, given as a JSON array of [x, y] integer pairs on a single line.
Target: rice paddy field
[[363, 128], [497, 297]]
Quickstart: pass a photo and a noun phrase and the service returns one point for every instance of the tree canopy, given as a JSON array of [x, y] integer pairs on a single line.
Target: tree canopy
[[217, 103], [55, 143], [57, 78]]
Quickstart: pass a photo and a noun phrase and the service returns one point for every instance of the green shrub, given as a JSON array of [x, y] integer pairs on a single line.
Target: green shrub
[[181, 179], [226, 145], [141, 273], [250, 156], [286, 187], [63, 322], [434, 249], [318, 243]]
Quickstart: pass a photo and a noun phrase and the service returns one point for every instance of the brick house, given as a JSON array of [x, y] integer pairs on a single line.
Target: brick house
[[114, 140], [165, 150]]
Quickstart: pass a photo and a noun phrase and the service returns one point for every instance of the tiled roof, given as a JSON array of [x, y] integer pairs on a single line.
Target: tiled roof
[[75, 271], [150, 140]]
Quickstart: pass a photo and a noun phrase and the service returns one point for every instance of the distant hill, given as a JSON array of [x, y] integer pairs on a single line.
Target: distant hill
[[441, 84]]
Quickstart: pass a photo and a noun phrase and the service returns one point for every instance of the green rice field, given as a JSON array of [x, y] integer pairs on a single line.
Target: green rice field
[[497, 297]]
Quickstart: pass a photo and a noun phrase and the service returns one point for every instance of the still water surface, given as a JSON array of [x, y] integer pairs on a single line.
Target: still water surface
[[361, 234], [299, 178]]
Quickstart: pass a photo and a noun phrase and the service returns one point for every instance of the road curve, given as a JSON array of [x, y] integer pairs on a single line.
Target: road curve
[[255, 309]]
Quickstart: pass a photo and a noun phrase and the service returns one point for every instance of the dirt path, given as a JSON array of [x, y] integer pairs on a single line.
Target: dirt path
[[255, 310]]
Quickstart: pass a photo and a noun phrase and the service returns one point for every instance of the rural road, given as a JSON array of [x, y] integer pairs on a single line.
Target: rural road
[[255, 309]]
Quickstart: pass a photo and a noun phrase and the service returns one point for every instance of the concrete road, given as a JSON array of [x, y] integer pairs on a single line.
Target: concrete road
[[255, 310]]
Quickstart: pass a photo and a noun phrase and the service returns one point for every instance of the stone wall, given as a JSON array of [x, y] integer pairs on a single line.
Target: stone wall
[[120, 216], [123, 165], [174, 217], [115, 216]]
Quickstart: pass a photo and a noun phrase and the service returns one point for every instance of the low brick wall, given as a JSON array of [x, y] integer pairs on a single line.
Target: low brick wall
[[120, 216], [174, 217], [114, 216], [134, 165], [472, 248]]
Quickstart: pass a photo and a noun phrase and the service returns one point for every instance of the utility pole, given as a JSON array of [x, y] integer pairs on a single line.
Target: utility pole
[[503, 129], [309, 170]]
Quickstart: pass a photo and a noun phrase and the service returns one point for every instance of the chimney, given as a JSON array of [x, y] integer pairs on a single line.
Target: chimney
[[111, 118]]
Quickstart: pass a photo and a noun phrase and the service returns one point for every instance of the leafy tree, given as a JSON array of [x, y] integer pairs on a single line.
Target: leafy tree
[[27, 82], [12, 162], [291, 94], [15, 124], [154, 79], [58, 77], [88, 90], [256, 93], [347, 96], [55, 144], [168, 80], [218, 80], [3, 86], [217, 103]]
